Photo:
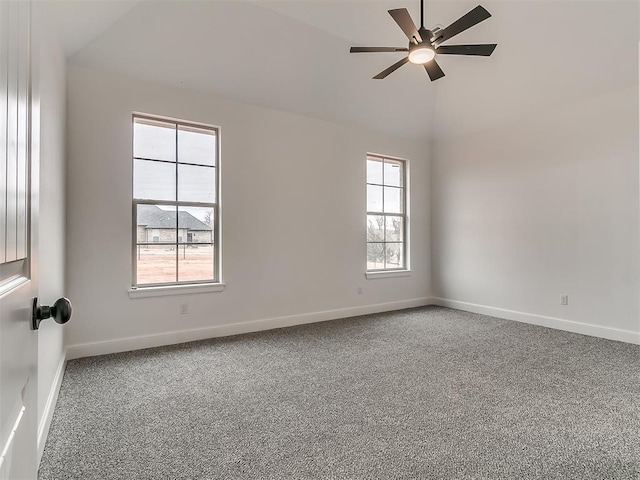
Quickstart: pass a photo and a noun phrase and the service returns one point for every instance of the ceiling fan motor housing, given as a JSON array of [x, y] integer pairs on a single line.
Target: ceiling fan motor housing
[[426, 35], [421, 53], [421, 46]]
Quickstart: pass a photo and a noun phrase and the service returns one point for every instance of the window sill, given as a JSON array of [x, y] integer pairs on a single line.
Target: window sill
[[389, 274], [145, 292]]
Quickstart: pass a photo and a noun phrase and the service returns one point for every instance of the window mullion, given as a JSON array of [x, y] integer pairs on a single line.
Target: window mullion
[[146, 201], [215, 240], [384, 225], [177, 215]]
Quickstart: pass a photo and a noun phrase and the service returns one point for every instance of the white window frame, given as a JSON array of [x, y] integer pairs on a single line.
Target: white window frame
[[405, 269], [184, 287]]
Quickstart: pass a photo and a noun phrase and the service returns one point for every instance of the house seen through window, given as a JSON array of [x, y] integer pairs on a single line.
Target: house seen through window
[[386, 214], [175, 202]]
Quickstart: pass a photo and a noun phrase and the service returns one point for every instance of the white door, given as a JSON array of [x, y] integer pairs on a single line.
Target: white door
[[18, 236]]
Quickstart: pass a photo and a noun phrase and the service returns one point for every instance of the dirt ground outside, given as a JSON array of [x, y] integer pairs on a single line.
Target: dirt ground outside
[[163, 263]]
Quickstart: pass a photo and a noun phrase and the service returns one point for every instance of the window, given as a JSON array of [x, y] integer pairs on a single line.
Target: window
[[386, 214], [176, 219]]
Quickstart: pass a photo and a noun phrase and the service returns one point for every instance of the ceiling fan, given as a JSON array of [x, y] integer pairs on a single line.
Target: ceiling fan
[[425, 45]]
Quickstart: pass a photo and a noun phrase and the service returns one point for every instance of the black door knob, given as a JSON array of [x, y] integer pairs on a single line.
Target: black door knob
[[60, 311]]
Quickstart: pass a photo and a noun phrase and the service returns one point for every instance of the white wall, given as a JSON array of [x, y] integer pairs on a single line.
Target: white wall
[[293, 204], [543, 206], [51, 85]]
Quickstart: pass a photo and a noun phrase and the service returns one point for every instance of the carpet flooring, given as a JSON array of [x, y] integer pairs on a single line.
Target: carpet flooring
[[425, 393]]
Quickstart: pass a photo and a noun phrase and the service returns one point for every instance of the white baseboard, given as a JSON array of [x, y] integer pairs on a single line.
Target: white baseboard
[[49, 407], [627, 336], [181, 336]]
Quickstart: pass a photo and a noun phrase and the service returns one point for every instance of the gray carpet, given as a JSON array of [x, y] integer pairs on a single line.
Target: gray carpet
[[420, 393]]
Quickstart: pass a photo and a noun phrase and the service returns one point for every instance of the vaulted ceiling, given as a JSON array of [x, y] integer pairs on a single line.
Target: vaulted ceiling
[[293, 55]]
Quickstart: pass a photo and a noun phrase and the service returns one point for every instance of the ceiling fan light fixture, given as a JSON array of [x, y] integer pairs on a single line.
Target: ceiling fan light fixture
[[421, 54]]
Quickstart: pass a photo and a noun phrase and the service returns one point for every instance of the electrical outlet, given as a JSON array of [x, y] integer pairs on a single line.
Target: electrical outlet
[[360, 291], [564, 299], [184, 308]]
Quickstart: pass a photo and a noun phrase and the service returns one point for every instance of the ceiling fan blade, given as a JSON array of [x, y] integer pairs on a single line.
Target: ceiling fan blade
[[391, 69], [472, 18], [403, 19], [434, 70], [377, 49], [483, 50]]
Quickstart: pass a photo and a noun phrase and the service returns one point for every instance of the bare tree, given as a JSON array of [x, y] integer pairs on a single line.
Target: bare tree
[[375, 233], [208, 218], [375, 229], [384, 236]]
